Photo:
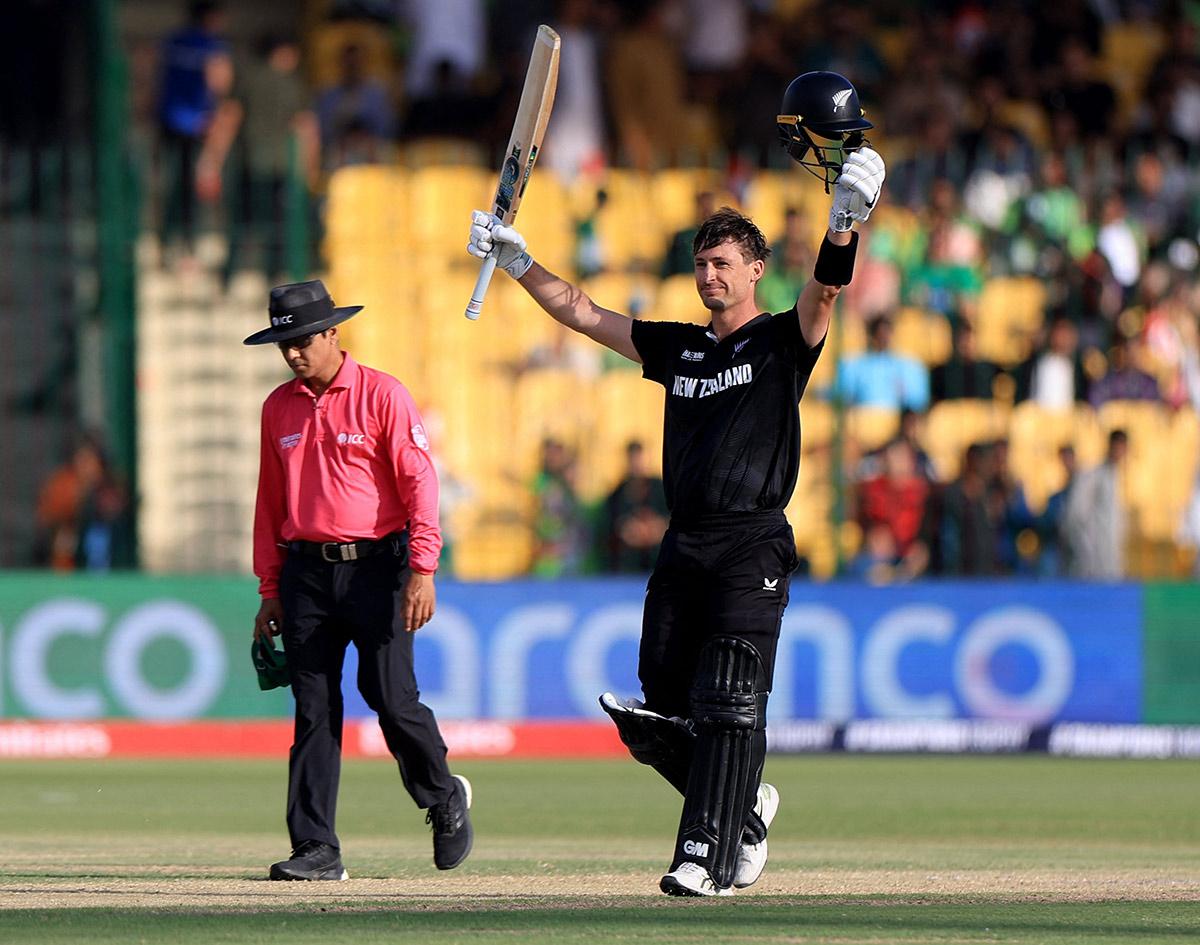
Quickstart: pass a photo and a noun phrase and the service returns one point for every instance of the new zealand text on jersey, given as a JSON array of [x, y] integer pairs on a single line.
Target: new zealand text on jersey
[[705, 386]]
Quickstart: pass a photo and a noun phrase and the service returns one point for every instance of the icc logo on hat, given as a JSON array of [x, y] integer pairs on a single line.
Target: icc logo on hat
[[299, 309]]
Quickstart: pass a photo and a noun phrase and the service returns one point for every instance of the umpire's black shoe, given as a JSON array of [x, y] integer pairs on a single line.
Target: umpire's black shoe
[[311, 860], [452, 833]]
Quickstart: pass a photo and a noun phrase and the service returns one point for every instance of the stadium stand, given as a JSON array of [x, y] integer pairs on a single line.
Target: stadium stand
[[1008, 252]]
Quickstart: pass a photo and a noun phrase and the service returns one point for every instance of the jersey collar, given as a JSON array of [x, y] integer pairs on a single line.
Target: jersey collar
[[712, 335]]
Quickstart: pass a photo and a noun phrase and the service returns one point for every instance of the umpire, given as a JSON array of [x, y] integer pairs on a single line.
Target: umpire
[[731, 453], [346, 543]]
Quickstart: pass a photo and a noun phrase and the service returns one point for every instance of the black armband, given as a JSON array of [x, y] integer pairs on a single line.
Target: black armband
[[835, 264]]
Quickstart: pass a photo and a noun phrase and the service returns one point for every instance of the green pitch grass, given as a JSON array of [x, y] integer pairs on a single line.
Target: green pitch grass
[[865, 850]]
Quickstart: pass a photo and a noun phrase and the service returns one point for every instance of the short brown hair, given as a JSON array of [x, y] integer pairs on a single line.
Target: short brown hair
[[727, 225]]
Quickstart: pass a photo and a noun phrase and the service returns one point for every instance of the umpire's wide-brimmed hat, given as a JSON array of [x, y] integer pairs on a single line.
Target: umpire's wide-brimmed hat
[[299, 309]]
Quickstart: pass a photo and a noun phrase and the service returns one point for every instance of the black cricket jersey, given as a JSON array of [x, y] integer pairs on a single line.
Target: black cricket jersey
[[731, 431]]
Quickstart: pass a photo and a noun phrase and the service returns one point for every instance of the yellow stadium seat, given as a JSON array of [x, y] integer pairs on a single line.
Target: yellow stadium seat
[[871, 427], [1138, 418], [901, 221], [1035, 437], [1160, 470], [510, 325], [626, 407], [528, 329], [677, 301], [1128, 53], [789, 10], [847, 336], [366, 209], [630, 294], [390, 332], [1010, 313], [820, 382], [953, 425], [1133, 45], [772, 193], [1021, 300], [440, 203], [922, 335], [816, 424], [894, 44], [810, 514], [1028, 118], [628, 231], [474, 408], [326, 42], [549, 402], [427, 152], [545, 222], [494, 551], [1183, 462], [673, 192]]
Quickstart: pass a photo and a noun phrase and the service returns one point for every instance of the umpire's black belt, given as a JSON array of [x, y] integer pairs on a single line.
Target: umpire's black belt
[[337, 551]]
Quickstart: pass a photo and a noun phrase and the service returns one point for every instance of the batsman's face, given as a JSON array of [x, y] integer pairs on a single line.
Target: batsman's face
[[724, 278]]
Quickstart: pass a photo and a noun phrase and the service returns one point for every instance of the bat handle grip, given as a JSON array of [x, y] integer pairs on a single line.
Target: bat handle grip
[[475, 306]]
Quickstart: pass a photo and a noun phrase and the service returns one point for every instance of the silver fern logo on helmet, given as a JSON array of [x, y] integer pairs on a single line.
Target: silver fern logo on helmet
[[840, 98]]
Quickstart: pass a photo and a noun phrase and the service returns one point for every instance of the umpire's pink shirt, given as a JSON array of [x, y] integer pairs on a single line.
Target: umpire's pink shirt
[[353, 463]]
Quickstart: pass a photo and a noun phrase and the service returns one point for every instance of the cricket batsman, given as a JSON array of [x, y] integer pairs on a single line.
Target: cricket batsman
[[731, 453]]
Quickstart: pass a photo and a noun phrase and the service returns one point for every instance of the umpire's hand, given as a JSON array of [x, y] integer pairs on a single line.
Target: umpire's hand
[[268, 620], [420, 599]]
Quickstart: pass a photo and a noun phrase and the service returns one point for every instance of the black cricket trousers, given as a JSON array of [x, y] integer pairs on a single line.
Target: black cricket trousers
[[326, 606], [725, 576]]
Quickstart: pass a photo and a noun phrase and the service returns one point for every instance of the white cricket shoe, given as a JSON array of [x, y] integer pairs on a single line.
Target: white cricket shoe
[[752, 857], [691, 879]]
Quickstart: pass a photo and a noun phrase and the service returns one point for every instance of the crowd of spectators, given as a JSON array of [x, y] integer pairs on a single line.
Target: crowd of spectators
[[1056, 142], [620, 534], [1043, 123], [83, 513], [980, 523]]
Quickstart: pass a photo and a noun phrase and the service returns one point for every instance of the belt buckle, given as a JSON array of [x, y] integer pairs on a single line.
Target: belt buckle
[[335, 552]]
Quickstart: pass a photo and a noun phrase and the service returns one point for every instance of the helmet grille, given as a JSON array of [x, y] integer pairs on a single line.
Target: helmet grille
[[823, 161]]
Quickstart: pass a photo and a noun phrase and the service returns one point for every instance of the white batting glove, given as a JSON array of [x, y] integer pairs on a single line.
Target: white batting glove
[[490, 237], [857, 189]]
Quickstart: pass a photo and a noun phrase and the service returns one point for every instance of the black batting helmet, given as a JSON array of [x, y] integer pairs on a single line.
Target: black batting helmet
[[824, 105]]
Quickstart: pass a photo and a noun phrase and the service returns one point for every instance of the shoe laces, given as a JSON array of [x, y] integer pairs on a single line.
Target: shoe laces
[[307, 848], [441, 818]]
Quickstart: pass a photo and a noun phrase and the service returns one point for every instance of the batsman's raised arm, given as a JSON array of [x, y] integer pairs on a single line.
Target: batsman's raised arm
[[564, 302], [855, 193]]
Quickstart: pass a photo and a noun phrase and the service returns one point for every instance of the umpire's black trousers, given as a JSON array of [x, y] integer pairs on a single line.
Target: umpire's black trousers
[[326, 606]]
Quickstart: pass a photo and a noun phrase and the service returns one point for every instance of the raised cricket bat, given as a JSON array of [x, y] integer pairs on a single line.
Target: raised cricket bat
[[533, 114]]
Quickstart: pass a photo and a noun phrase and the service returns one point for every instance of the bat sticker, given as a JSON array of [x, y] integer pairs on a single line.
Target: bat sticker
[[533, 153], [509, 176]]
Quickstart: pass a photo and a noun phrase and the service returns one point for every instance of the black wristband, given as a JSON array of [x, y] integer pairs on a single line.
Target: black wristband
[[835, 264]]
